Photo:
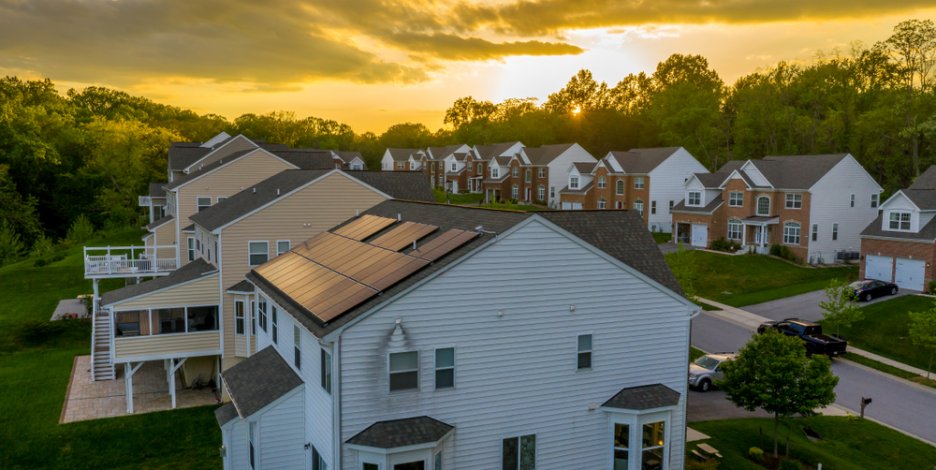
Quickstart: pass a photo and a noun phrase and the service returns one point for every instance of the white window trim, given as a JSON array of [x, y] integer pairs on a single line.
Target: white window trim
[[197, 205], [389, 372], [590, 351], [799, 236], [757, 205], [689, 195], [638, 182], [278, 252], [740, 226], [875, 200], [834, 232], [731, 201], [265, 242], [190, 251], [791, 201], [435, 368], [898, 229], [243, 316], [519, 438], [573, 182], [602, 182], [635, 421], [619, 187]]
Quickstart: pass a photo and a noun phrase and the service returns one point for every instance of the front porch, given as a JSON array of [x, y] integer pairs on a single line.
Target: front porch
[[755, 233], [86, 399]]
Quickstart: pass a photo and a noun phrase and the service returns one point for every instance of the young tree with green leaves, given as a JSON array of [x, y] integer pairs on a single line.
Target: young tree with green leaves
[[683, 265], [839, 310], [923, 332], [772, 372]]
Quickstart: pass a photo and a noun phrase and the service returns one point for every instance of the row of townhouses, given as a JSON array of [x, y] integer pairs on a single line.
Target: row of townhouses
[[350, 323]]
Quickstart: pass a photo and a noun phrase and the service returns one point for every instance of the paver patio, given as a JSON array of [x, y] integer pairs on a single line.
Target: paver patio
[[86, 399]]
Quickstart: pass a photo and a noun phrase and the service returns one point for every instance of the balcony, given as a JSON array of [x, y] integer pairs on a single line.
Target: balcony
[[147, 201], [129, 261]]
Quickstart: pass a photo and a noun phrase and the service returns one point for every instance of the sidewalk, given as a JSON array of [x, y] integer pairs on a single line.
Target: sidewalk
[[751, 321]]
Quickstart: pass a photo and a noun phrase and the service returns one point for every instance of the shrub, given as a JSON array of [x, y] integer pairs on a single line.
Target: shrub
[[81, 230], [756, 454], [42, 247], [726, 245], [38, 332], [11, 245], [932, 287], [789, 465], [783, 251]]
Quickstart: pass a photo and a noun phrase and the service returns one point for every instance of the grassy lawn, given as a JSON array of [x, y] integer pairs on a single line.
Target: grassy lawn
[[458, 198], [695, 353], [662, 237], [883, 330], [35, 364], [846, 443], [750, 279]]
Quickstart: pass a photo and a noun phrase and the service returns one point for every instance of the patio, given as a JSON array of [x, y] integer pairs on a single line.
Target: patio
[[85, 399]]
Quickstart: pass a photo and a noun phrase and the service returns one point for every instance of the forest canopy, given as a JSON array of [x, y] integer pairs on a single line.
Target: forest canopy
[[92, 151]]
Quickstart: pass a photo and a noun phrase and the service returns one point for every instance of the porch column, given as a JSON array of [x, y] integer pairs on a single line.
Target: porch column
[[129, 370], [743, 234], [174, 367], [94, 298]]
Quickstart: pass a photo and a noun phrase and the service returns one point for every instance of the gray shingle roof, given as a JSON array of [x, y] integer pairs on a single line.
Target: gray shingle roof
[[156, 223], [644, 160], [711, 206], [349, 155], [486, 152], [156, 190], [585, 167], [621, 234], [189, 272], [925, 199], [583, 190], [258, 381], [927, 233], [201, 170], [796, 171], [401, 433], [309, 159], [243, 286], [439, 153], [400, 185], [644, 397], [712, 180], [545, 154], [183, 154], [402, 155], [927, 180], [225, 414]]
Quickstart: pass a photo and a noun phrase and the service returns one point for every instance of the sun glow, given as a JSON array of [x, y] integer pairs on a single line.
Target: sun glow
[[576, 110]]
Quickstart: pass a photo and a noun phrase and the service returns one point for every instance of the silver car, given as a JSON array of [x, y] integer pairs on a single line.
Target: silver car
[[706, 370]]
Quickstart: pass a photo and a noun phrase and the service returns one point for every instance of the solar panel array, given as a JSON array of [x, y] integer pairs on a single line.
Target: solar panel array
[[334, 272]]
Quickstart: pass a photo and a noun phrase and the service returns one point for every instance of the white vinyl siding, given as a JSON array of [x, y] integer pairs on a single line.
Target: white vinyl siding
[[281, 433], [667, 182]]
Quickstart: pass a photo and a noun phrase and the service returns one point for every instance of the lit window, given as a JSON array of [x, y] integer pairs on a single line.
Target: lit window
[[736, 199], [445, 368], [638, 182], [621, 445], [584, 359], [653, 442], [794, 201], [259, 253], [763, 205], [519, 453], [791, 233], [899, 220], [404, 371], [694, 198]]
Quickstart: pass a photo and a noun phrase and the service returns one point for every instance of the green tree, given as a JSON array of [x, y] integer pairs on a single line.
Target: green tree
[[467, 109], [11, 245], [582, 93], [683, 265], [923, 332], [839, 310], [771, 372]]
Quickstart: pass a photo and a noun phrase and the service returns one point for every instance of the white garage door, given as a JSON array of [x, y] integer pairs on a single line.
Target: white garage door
[[910, 273], [571, 206], [700, 235], [879, 267]]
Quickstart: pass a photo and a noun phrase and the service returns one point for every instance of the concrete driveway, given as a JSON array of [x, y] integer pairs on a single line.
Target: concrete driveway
[[804, 306]]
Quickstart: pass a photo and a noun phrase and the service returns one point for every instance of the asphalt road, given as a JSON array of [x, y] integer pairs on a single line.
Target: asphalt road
[[906, 406], [804, 306]]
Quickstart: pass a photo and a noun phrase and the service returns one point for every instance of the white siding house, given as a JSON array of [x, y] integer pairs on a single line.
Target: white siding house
[[666, 186], [559, 169]]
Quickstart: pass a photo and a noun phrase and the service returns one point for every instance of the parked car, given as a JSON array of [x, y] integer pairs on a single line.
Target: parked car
[[810, 333], [871, 288], [706, 370]]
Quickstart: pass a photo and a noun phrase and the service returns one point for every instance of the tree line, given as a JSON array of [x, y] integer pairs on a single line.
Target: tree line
[[93, 151]]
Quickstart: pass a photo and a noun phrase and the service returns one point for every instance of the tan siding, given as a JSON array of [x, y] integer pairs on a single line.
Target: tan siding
[[202, 341], [323, 205], [201, 292], [227, 181], [238, 144], [165, 235]]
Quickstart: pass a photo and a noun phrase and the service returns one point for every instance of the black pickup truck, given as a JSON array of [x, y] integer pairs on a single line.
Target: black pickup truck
[[810, 333]]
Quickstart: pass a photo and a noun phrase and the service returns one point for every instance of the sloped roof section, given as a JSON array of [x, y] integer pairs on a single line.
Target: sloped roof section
[[225, 414], [927, 232], [925, 181], [156, 190], [402, 155], [925, 199], [402, 433], [486, 152], [309, 159], [183, 154], [544, 155], [643, 160], [189, 272], [707, 209], [644, 397], [439, 153], [258, 381], [202, 170], [796, 171], [156, 223], [585, 167], [712, 180]]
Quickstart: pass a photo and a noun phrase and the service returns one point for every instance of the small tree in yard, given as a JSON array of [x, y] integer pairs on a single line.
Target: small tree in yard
[[772, 372], [840, 310], [923, 332], [683, 265]]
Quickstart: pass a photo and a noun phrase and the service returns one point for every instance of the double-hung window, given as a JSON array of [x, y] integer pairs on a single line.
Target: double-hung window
[[763, 205], [190, 244], [875, 198], [480, 169], [834, 232], [454, 166], [621, 445], [404, 371], [541, 193], [638, 206], [652, 445], [899, 220], [694, 198], [262, 307], [602, 182], [619, 187], [239, 317], [791, 233], [573, 182], [584, 357], [851, 201], [258, 253], [202, 203], [815, 232], [326, 370], [445, 368], [495, 172], [736, 199], [519, 453], [602, 203], [515, 192], [282, 246], [794, 201], [653, 207], [541, 172], [297, 348], [515, 171], [638, 182], [528, 175], [734, 229]]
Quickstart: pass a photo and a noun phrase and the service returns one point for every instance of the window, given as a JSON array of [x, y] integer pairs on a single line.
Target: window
[[899, 220], [454, 166], [834, 232], [258, 253], [275, 331], [874, 199], [404, 371], [794, 201], [654, 440], [495, 172], [190, 244], [573, 182], [541, 172], [519, 453], [638, 206], [171, 320], [515, 192], [445, 368], [297, 348], [736, 199], [852, 200], [602, 204], [815, 232], [480, 169], [370, 466], [671, 206], [202, 203], [239, 317], [694, 198], [282, 246], [515, 171], [763, 205], [734, 229], [619, 187], [541, 193], [437, 461], [221, 198], [326, 370], [318, 462], [621, 445], [528, 175], [262, 307], [602, 182], [584, 351], [653, 207], [252, 431], [791, 233], [638, 182]]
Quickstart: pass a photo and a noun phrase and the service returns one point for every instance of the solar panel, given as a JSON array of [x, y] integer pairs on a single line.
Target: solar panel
[[403, 235], [365, 226], [443, 244]]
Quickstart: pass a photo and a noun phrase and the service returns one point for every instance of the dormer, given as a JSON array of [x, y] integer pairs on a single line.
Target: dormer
[[697, 195], [580, 176], [901, 214]]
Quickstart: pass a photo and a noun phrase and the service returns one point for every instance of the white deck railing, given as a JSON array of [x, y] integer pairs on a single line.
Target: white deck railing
[[129, 261]]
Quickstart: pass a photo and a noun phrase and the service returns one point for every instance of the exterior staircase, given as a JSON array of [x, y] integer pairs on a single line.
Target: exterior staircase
[[102, 365]]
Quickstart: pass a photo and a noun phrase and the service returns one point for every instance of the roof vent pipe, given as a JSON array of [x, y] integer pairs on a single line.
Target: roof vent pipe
[[414, 245], [277, 191], [399, 217], [357, 212], [255, 190]]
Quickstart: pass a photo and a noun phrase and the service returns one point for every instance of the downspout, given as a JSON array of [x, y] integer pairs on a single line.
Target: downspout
[[220, 298], [178, 233], [336, 401]]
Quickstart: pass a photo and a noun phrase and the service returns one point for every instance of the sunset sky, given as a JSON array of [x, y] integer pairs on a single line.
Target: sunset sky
[[372, 63]]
